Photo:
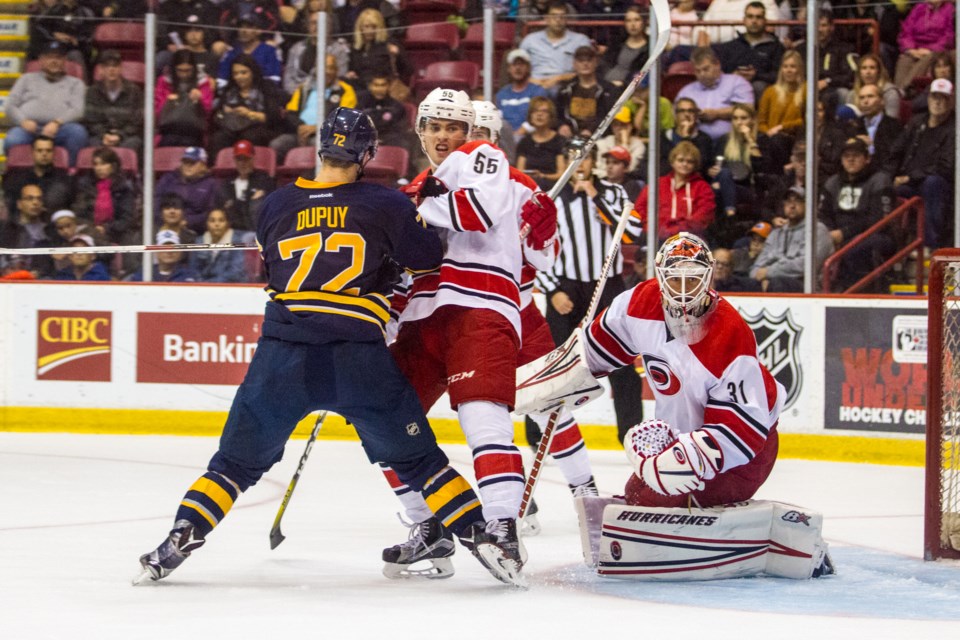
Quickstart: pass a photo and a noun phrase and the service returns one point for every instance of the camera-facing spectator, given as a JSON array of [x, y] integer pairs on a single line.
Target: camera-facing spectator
[[107, 198], [627, 54], [715, 92], [870, 70], [928, 29], [301, 59], [615, 164], [584, 101], [26, 228], [169, 266], [513, 98], [686, 200], [69, 23], [551, 50], [746, 250], [838, 61], [49, 103], [84, 267], [172, 218], [195, 186], [781, 107], [540, 153], [113, 112], [944, 66], [183, 102], [878, 130], [55, 183], [249, 44], [242, 196], [687, 129], [218, 266], [373, 51], [724, 278], [249, 107], [755, 53], [623, 136]]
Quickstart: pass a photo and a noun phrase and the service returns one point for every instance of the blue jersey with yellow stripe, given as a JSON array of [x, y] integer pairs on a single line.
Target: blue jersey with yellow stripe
[[331, 252]]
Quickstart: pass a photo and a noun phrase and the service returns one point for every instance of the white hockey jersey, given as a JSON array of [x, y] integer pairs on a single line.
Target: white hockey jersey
[[717, 385], [478, 221], [533, 260]]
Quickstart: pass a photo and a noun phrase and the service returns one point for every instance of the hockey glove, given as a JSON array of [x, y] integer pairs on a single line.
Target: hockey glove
[[539, 215], [669, 463], [431, 187]]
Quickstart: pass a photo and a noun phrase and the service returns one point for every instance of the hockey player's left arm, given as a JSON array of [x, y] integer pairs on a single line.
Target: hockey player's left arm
[[477, 179]]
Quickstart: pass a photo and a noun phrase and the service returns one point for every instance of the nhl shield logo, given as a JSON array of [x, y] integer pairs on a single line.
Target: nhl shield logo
[[778, 340]]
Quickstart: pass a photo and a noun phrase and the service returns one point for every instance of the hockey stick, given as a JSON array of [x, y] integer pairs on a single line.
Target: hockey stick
[[276, 536], [135, 248]]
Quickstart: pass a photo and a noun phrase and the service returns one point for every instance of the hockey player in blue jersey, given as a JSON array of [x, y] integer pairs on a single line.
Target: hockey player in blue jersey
[[331, 247]]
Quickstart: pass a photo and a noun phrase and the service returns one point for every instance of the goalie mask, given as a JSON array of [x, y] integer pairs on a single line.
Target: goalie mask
[[684, 270], [487, 117]]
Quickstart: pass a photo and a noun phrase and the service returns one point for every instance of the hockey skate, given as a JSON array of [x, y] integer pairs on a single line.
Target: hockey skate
[[171, 553], [826, 567], [586, 490], [429, 542], [531, 523], [498, 548]]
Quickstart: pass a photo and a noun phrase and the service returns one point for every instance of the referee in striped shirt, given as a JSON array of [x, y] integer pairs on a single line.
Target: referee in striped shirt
[[588, 211]]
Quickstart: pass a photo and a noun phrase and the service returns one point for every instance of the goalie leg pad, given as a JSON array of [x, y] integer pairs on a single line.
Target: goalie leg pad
[[679, 544], [590, 516], [560, 378]]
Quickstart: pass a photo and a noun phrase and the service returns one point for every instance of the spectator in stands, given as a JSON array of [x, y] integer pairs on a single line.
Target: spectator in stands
[[25, 229], [850, 203], [831, 136], [236, 15], [687, 129], [686, 200], [724, 278], [67, 22], [535, 10], [922, 161], [794, 175], [172, 218], [183, 102], [540, 153], [301, 59], [66, 226], [84, 267], [607, 37], [300, 119], [242, 196], [249, 107], [682, 36], [870, 70], [169, 266], [877, 130], [860, 36], [616, 161], [513, 99], [838, 61], [348, 13], [626, 55], [730, 11], [586, 99], [248, 46], [551, 50], [218, 266], [107, 198], [188, 33], [779, 267], [298, 25], [374, 51], [747, 156], [640, 114], [746, 251], [113, 112], [754, 54], [56, 183], [943, 66], [48, 102], [194, 184], [388, 114], [715, 92], [117, 9], [928, 29], [782, 106], [621, 135]]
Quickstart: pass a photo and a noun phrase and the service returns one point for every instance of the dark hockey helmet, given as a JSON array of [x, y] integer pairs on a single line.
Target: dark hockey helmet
[[348, 135]]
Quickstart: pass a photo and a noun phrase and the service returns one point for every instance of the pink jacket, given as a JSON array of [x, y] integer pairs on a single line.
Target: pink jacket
[[690, 208], [165, 87], [928, 27]]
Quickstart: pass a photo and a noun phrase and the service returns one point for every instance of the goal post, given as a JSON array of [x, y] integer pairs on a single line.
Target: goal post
[[942, 503]]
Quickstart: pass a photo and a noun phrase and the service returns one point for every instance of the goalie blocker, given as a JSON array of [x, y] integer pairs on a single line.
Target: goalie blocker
[[756, 537]]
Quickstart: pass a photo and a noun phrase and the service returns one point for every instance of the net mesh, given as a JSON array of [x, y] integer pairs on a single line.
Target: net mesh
[[949, 468]]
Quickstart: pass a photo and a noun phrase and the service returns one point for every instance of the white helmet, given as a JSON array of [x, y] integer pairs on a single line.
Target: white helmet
[[448, 104], [488, 117], [684, 268]]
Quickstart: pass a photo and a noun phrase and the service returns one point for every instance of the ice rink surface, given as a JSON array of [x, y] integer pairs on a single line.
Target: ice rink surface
[[77, 511]]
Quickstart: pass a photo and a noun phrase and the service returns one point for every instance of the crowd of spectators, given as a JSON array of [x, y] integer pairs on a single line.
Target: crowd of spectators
[[237, 75]]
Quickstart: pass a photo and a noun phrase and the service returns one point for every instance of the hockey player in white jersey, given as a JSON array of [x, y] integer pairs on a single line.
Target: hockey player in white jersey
[[459, 330]]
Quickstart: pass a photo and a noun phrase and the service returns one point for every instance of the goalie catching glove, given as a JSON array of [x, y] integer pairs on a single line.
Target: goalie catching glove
[[559, 378], [669, 462], [539, 215]]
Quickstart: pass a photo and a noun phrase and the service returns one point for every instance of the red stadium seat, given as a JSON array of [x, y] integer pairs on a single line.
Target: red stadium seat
[[681, 67], [451, 74], [264, 158], [166, 159], [430, 11], [504, 34], [426, 43], [131, 70], [21, 157], [72, 68], [300, 161], [679, 75], [389, 165], [126, 37], [128, 160]]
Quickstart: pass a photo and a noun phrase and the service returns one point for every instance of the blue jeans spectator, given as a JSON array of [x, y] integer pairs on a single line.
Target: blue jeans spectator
[[71, 135], [936, 193]]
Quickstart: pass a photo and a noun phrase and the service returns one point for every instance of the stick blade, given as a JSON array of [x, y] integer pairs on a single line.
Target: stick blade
[[276, 537]]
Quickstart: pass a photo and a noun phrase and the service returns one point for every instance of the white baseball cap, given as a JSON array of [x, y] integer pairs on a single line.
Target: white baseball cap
[[518, 54], [941, 85]]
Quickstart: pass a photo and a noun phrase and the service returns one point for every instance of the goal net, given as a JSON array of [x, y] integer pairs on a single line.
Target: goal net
[[942, 508]]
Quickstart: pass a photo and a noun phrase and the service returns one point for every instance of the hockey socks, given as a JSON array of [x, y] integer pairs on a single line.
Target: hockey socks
[[567, 448], [446, 494], [206, 502]]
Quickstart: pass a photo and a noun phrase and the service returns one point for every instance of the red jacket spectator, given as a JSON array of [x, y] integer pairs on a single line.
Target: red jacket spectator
[[689, 206]]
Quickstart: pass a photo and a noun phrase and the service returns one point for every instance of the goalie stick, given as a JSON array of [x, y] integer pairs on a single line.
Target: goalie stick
[[276, 536], [661, 10]]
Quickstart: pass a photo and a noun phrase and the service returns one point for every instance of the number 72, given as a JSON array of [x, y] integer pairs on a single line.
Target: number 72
[[310, 246]]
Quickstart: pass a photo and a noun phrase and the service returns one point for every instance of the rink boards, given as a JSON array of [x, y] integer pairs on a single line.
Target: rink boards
[[153, 358]]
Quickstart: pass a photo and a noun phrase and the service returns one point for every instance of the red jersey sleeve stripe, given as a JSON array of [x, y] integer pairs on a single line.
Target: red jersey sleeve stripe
[[466, 213], [607, 345]]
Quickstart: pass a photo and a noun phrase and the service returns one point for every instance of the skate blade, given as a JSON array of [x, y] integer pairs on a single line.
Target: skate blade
[[440, 569], [500, 567], [531, 526], [146, 576]]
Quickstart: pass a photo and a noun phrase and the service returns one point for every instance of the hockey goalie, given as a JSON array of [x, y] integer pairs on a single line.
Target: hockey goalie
[[687, 512]]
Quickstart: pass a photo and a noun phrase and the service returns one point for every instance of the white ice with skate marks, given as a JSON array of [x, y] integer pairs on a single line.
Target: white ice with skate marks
[[77, 511]]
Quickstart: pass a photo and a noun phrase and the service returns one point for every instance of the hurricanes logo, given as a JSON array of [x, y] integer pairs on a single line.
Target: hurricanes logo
[[660, 376], [796, 516], [74, 345], [778, 348], [678, 455], [616, 551]]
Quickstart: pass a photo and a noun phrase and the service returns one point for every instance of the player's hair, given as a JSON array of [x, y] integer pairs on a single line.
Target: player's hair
[[686, 148]]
